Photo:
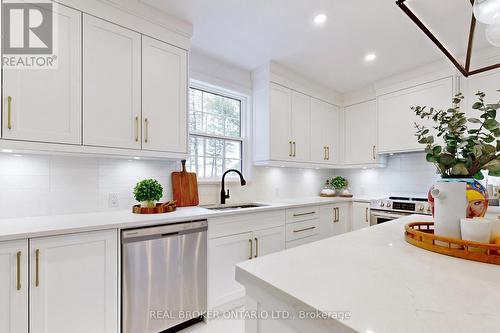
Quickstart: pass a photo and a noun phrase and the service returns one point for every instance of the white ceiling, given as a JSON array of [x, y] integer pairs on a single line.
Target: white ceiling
[[248, 33]]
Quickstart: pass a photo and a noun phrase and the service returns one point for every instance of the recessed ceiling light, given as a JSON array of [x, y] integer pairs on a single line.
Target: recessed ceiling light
[[136, 158], [320, 19], [370, 57], [6, 150]]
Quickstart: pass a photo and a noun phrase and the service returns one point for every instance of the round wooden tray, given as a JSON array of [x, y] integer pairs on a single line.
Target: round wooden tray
[[159, 209], [421, 234], [328, 195]]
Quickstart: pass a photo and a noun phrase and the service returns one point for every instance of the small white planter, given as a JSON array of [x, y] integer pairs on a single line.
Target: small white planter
[[476, 230], [450, 205]]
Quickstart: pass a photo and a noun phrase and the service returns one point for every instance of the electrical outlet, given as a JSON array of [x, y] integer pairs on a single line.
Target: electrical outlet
[[113, 201]]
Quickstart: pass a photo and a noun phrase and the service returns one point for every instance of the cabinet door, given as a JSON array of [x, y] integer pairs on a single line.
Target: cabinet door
[[223, 255], [301, 127], [327, 219], [74, 283], [488, 83], [360, 133], [332, 133], [396, 119], [111, 85], [318, 131], [164, 96], [269, 241], [341, 225], [14, 287], [45, 104], [280, 128], [360, 215]]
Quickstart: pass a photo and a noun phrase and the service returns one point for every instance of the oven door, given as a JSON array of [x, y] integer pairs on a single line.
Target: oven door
[[380, 216]]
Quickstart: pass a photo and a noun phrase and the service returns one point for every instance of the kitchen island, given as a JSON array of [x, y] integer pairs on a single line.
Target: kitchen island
[[370, 281]]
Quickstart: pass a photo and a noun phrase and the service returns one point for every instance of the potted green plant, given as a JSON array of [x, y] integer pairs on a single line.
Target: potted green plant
[[340, 184], [463, 152], [148, 192]]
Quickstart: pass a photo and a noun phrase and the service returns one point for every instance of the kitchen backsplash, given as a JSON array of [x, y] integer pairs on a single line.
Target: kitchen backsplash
[[34, 185], [405, 174]]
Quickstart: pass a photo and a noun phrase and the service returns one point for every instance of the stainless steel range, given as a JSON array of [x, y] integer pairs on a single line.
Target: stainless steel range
[[384, 210]]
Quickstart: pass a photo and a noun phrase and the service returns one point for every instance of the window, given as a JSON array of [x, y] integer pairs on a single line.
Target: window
[[215, 133]]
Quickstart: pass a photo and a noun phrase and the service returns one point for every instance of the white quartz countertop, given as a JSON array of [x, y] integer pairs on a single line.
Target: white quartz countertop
[[388, 285], [21, 228]]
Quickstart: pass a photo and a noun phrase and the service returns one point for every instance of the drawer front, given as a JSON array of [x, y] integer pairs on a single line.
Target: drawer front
[[302, 214], [302, 229], [302, 241], [240, 223]]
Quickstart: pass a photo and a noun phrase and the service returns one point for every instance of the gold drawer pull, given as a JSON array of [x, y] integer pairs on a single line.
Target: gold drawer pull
[[37, 267], [256, 247], [9, 112], [303, 214], [136, 129], [250, 243], [18, 270], [146, 130], [305, 229]]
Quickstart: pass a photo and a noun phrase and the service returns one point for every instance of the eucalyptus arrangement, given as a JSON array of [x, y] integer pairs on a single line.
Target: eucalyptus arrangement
[[466, 149], [148, 191], [339, 183]]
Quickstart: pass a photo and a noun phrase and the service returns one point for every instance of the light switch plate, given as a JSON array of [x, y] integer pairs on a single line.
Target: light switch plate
[[113, 201]]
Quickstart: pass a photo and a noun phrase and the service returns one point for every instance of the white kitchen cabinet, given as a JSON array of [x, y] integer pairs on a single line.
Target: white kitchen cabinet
[[489, 83], [14, 286], [111, 85], [164, 96], [223, 255], [74, 283], [396, 119], [268, 241], [361, 133], [280, 99], [325, 144], [360, 215], [301, 127], [44, 105], [334, 220], [237, 238]]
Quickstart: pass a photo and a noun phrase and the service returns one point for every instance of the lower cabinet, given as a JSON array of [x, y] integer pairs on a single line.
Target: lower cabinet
[[257, 237], [14, 287], [72, 285], [334, 220], [360, 215]]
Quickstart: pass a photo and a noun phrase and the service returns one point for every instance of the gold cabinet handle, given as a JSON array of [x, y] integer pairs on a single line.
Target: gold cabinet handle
[[366, 215], [37, 267], [334, 215], [294, 149], [291, 149], [305, 229], [18, 270], [256, 247], [328, 153], [324, 153], [373, 152], [9, 112], [146, 130], [136, 129], [250, 243]]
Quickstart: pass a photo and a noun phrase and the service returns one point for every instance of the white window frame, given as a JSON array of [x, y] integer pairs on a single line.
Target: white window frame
[[244, 130]]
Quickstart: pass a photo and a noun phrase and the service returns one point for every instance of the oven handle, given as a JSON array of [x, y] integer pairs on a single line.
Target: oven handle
[[387, 215]]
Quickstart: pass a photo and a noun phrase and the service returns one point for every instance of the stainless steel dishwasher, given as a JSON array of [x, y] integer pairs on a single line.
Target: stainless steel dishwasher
[[164, 277]]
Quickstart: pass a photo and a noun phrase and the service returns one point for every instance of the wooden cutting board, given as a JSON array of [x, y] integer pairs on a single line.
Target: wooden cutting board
[[185, 187]]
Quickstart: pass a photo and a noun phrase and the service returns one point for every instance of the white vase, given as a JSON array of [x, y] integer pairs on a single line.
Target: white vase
[[450, 205]]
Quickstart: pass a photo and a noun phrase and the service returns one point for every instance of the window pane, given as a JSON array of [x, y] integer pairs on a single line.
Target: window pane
[[196, 146], [195, 100], [233, 127], [214, 124], [233, 149], [213, 167], [233, 164], [214, 147]]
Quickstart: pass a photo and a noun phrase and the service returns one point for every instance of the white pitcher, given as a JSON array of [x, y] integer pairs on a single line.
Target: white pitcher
[[450, 205]]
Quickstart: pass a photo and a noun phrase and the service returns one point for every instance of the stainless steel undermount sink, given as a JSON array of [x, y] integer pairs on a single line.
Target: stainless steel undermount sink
[[234, 206]]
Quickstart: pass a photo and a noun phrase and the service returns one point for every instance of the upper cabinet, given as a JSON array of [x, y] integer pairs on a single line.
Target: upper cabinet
[[361, 133], [289, 118], [44, 105], [396, 119], [111, 85], [489, 83], [164, 91], [114, 91], [325, 144]]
